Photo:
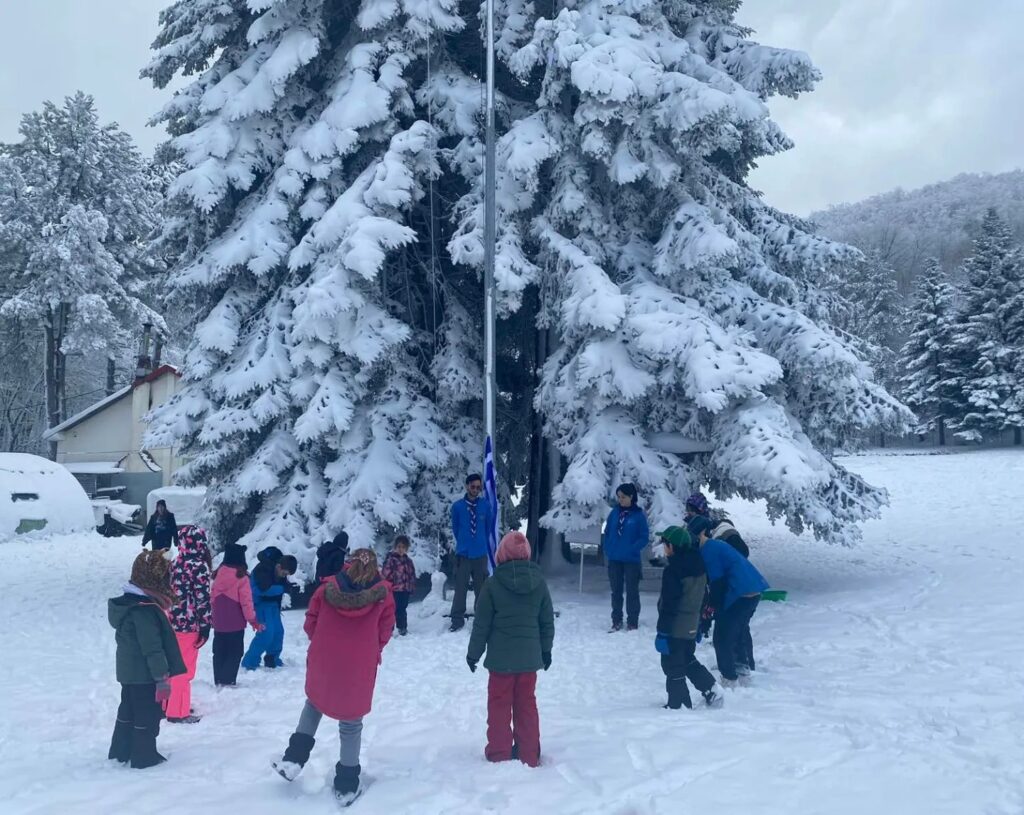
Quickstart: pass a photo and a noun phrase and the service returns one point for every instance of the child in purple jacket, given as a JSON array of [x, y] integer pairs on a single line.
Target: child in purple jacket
[[400, 572]]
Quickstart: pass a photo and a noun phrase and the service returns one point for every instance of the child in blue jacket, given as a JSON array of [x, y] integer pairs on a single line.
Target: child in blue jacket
[[269, 582], [736, 588]]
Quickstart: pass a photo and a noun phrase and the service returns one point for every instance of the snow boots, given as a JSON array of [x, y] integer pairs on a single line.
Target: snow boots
[[712, 698], [295, 756], [346, 783]]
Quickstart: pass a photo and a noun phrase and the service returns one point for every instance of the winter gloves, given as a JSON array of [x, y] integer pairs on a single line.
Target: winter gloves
[[471, 663], [546, 657], [163, 690], [662, 644]]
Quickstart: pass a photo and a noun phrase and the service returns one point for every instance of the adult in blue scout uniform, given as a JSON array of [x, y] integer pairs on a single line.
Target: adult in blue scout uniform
[[625, 536], [736, 588], [471, 518]]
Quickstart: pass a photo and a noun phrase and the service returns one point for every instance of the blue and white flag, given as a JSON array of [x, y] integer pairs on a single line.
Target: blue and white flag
[[491, 493]]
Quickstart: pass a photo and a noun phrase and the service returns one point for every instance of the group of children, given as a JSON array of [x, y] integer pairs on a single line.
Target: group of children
[[175, 600], [168, 609]]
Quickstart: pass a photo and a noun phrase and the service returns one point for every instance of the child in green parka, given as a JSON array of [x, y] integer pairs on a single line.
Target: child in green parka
[[147, 657], [515, 625], [683, 582]]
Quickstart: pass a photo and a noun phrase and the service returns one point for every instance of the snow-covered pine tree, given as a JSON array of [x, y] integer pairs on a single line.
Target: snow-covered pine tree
[[874, 312], [930, 384], [990, 333], [77, 207], [314, 399], [683, 302]]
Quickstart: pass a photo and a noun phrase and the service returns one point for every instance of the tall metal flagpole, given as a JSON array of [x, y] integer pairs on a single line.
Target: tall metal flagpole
[[490, 345], [490, 236]]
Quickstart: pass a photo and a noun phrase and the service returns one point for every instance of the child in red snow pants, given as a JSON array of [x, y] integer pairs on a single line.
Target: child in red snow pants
[[513, 724]]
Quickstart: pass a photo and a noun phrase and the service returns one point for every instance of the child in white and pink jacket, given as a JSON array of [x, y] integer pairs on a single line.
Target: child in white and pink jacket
[[231, 599]]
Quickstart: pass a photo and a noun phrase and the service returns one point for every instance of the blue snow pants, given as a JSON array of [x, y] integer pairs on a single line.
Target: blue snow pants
[[269, 641]]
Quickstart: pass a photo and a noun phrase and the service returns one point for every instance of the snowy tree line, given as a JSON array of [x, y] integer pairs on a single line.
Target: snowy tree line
[[322, 226], [951, 348], [908, 228]]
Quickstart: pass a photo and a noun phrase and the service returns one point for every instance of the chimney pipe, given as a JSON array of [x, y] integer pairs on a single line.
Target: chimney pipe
[[110, 376], [158, 347], [144, 364]]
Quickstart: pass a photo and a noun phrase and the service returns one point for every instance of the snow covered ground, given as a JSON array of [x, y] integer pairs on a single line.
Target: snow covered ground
[[891, 682]]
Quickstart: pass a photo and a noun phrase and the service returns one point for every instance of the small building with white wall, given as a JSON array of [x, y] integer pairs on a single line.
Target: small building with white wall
[[103, 444]]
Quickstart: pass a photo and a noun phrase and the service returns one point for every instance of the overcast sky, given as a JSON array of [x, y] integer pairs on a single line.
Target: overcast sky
[[915, 91]]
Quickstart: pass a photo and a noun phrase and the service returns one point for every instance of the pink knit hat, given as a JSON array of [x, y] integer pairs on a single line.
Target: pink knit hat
[[514, 546]]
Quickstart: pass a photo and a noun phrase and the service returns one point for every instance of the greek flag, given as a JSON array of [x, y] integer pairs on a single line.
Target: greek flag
[[491, 493]]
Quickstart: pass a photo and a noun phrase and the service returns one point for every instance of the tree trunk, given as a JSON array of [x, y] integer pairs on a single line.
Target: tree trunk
[[50, 379], [1016, 435], [881, 440], [553, 560], [55, 371], [942, 432], [533, 511]]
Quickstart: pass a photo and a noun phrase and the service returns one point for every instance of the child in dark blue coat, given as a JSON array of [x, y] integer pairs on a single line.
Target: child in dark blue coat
[[269, 583], [736, 588]]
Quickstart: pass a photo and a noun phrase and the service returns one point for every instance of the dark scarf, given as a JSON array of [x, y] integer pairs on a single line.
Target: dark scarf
[[472, 515], [623, 515]]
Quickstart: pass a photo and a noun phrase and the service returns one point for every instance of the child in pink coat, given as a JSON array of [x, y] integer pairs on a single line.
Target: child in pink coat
[[349, 621], [231, 600]]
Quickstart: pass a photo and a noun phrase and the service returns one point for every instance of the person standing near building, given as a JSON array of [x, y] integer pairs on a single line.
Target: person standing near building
[[471, 518], [162, 529]]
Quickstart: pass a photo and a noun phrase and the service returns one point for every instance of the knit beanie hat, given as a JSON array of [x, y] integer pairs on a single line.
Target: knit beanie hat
[[698, 524], [341, 540], [234, 555], [151, 572], [514, 546], [697, 503], [677, 537], [629, 490]]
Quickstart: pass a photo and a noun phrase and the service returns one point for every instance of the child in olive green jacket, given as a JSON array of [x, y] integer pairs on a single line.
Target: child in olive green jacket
[[147, 657], [515, 623]]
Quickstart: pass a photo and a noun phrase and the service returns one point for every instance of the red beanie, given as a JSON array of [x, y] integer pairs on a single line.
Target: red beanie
[[514, 546]]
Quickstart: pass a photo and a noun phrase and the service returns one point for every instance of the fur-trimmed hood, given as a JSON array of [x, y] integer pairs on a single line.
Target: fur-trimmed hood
[[354, 599]]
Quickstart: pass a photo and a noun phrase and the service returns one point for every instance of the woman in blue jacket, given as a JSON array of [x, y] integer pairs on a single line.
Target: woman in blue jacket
[[625, 536]]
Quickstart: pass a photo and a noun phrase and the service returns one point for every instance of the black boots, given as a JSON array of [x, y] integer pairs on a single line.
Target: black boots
[[295, 757], [346, 783]]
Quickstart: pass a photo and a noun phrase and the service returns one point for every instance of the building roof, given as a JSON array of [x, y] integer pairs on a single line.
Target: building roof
[[54, 432], [93, 467]]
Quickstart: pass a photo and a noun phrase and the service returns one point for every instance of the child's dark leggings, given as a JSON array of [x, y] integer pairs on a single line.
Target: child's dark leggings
[[228, 647], [401, 607]]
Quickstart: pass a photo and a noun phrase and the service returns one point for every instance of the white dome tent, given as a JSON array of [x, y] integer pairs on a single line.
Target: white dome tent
[[38, 495]]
